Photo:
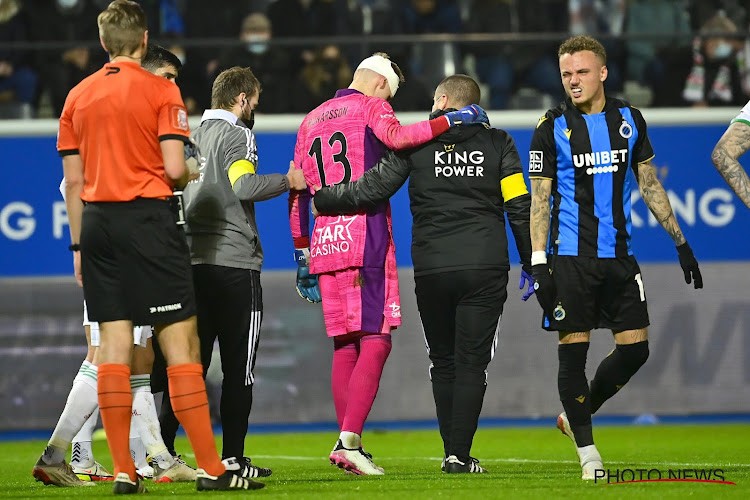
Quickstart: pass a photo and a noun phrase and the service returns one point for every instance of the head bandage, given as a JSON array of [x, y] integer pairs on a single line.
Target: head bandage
[[382, 66]]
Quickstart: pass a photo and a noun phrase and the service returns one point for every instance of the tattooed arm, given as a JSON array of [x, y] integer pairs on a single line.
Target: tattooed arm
[[734, 143], [540, 192], [656, 199]]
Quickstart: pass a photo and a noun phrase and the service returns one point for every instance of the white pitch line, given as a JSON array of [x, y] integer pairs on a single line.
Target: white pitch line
[[630, 465]]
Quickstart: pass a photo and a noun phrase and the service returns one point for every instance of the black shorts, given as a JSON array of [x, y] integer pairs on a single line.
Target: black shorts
[[597, 293], [135, 263]]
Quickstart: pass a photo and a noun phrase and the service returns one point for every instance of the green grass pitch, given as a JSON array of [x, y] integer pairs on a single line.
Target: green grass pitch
[[522, 463]]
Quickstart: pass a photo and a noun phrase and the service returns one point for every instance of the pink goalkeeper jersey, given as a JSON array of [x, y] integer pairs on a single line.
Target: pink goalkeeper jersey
[[336, 143]]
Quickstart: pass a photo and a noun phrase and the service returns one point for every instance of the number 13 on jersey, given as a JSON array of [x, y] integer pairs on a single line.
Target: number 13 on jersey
[[332, 163]]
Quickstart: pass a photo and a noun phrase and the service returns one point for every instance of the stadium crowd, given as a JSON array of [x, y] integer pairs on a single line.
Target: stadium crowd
[[661, 52]]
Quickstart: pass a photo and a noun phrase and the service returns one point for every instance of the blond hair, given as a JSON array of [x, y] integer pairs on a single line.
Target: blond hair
[[121, 27]]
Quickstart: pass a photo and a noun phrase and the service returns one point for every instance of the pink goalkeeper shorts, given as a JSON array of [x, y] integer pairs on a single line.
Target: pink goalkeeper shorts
[[360, 300]]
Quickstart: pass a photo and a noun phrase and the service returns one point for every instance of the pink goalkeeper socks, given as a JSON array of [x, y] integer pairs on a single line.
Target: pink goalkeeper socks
[[344, 359], [363, 381]]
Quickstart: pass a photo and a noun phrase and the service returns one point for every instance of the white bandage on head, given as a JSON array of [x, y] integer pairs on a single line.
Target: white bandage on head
[[382, 66]]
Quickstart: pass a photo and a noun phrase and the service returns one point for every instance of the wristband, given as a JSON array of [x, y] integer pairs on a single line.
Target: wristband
[[538, 257], [75, 247]]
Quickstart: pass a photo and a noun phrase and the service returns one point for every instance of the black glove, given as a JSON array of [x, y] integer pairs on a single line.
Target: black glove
[[546, 291], [689, 265]]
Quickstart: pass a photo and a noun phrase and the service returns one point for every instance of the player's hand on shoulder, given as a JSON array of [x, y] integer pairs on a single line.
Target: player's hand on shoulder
[[467, 115], [307, 284], [689, 265], [296, 177]]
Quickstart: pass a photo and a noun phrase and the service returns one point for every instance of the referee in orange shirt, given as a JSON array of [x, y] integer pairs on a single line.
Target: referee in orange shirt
[[121, 137]]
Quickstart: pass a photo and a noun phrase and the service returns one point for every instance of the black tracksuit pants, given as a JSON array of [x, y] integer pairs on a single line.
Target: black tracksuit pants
[[230, 308], [460, 313]]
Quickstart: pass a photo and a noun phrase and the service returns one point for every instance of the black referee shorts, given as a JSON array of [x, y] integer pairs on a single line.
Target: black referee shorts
[[135, 263], [597, 293]]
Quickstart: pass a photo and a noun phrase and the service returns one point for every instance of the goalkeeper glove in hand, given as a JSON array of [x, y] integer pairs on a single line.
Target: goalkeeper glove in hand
[[689, 265], [307, 284], [192, 156], [527, 280], [467, 115], [544, 287]]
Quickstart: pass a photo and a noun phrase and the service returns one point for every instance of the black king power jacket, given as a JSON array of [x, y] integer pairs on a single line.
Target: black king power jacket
[[462, 184]]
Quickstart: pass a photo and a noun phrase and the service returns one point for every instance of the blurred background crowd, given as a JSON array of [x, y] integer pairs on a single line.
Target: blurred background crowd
[[661, 52]]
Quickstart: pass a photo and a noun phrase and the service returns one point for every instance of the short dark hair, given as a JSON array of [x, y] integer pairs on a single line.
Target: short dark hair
[[158, 57], [462, 90], [230, 83], [580, 43], [121, 27]]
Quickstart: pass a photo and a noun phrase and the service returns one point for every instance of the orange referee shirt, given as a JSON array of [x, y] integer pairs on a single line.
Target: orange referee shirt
[[115, 119]]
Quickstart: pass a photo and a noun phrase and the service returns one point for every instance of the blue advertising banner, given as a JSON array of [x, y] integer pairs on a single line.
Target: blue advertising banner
[[34, 232]]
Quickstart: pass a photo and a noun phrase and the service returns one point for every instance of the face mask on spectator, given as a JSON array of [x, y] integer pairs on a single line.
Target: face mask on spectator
[[257, 44], [722, 50]]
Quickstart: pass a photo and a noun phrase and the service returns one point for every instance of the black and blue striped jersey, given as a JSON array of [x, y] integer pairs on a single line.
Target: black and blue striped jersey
[[592, 161]]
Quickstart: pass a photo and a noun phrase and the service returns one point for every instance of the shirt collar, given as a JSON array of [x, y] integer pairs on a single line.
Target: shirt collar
[[220, 114], [343, 92]]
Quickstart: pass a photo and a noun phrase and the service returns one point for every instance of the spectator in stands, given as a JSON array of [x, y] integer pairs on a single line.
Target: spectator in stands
[[271, 64], [321, 78], [710, 73], [507, 66], [718, 62], [702, 10], [17, 80]]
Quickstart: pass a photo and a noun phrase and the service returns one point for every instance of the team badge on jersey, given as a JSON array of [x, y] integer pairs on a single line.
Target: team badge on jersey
[[180, 118], [626, 130], [536, 161]]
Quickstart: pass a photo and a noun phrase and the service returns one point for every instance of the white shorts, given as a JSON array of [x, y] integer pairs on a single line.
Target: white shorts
[[141, 334]]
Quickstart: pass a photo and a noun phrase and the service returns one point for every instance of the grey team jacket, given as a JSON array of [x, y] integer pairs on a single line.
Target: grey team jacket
[[221, 227]]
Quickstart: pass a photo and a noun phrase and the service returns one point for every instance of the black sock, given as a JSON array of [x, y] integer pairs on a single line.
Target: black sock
[[574, 390], [468, 396], [443, 394], [168, 423], [615, 370]]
